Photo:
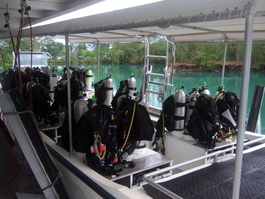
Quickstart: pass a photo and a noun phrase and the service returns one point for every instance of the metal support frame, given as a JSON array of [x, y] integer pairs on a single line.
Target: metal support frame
[[243, 99], [27, 146], [223, 67], [98, 58], [69, 111]]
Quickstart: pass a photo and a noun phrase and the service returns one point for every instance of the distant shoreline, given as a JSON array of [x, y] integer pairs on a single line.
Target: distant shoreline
[[230, 66]]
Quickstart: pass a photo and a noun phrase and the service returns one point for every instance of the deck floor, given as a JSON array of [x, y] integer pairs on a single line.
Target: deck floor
[[216, 181]]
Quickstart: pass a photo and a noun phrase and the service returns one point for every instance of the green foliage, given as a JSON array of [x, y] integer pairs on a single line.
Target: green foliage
[[126, 53], [205, 55], [257, 65], [7, 49], [258, 54], [52, 47]]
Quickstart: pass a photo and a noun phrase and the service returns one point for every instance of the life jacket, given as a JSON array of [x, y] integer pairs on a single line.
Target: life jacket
[[204, 124], [228, 107]]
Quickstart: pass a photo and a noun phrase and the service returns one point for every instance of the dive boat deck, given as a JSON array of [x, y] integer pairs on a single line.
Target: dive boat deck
[[216, 181], [146, 162]]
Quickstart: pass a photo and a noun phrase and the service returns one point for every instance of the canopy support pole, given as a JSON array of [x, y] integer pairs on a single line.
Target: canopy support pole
[[69, 111], [243, 100], [223, 68], [98, 58]]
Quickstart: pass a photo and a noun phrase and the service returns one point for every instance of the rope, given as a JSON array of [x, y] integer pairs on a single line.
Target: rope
[[51, 185], [17, 113]]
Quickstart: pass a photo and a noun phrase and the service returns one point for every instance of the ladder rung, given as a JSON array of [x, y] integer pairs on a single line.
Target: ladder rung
[[155, 74], [151, 91], [157, 83], [156, 56]]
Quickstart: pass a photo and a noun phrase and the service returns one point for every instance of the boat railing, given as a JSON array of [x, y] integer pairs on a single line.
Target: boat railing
[[149, 178]]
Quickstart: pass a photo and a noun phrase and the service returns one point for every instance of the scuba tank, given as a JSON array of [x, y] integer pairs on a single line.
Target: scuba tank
[[88, 79], [108, 85], [53, 82], [132, 87], [180, 109], [220, 90], [127, 89], [204, 90], [80, 107]]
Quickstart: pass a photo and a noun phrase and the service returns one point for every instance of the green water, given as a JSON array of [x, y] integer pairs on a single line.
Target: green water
[[232, 82]]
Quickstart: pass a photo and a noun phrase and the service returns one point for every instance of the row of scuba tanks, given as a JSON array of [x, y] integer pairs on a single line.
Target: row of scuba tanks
[[185, 106], [81, 105], [181, 99]]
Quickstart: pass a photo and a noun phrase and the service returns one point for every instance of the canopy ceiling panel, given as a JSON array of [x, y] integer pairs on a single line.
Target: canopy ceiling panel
[[175, 18], [198, 38]]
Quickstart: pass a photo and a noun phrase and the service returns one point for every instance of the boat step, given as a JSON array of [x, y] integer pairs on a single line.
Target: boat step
[[29, 196]]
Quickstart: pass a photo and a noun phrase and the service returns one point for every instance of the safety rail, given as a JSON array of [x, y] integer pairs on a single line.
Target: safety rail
[[148, 177]]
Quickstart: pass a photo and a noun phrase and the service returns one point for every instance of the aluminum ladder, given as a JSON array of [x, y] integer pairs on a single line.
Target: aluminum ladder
[[147, 73]]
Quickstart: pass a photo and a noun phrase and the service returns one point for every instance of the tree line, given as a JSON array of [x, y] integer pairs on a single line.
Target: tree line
[[205, 55]]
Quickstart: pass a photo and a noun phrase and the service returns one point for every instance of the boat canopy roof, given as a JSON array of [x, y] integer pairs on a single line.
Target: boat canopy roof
[[182, 20]]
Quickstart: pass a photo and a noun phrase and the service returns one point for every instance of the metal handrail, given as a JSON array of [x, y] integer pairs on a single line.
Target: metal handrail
[[147, 177]]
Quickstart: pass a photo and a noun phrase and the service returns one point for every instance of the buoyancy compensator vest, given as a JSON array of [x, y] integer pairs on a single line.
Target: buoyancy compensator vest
[[53, 82], [135, 125], [191, 101], [204, 124], [166, 118], [60, 96], [228, 107], [97, 137], [40, 100]]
